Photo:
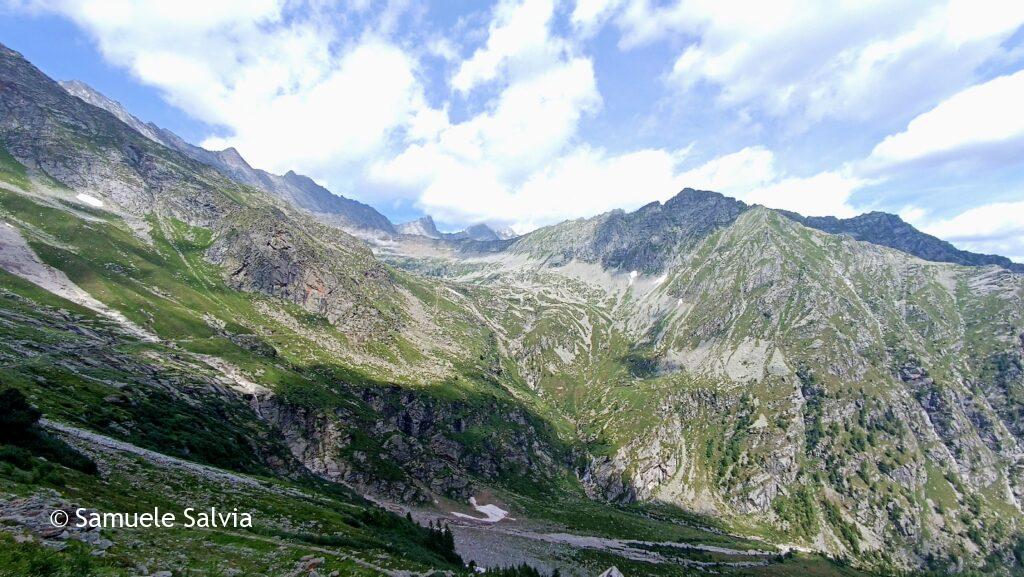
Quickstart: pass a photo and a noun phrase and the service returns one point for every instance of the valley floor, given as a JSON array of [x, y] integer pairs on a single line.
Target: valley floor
[[300, 528]]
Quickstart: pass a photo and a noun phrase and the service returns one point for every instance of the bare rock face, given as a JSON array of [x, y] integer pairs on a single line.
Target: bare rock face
[[269, 254], [30, 519], [776, 373], [611, 572], [60, 137], [606, 479], [646, 240], [420, 227], [890, 230], [426, 436]]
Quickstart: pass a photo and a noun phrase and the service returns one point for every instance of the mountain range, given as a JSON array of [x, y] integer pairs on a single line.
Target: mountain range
[[875, 227], [696, 386], [299, 190]]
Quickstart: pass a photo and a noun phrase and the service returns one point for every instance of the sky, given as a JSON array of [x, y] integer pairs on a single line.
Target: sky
[[524, 113]]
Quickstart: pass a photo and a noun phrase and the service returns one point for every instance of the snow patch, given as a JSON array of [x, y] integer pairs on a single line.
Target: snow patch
[[492, 513], [632, 276], [660, 279], [90, 200]]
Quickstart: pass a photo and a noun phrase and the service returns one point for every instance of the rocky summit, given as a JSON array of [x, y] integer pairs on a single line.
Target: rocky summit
[[699, 386]]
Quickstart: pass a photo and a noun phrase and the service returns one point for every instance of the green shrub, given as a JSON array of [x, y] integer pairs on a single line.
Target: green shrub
[[17, 416], [19, 428], [33, 560]]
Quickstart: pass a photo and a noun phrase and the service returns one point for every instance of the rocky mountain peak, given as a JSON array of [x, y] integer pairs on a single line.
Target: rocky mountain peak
[[646, 239], [301, 180], [480, 232], [423, 226], [892, 231], [90, 95], [231, 156]]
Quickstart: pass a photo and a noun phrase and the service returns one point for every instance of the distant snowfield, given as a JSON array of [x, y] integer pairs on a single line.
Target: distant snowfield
[[90, 200], [493, 513]]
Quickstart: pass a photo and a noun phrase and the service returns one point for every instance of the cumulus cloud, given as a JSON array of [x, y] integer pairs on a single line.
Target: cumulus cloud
[[823, 194], [531, 121], [995, 228], [750, 174], [579, 184], [475, 169], [587, 181], [519, 39], [971, 125], [736, 173], [516, 162], [588, 15], [290, 91], [819, 60]]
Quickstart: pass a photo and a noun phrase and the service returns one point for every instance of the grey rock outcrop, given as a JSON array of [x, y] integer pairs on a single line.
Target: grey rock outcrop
[[423, 226], [892, 231]]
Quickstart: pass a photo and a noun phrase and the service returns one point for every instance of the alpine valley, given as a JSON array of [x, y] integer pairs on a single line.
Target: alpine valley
[[697, 387]]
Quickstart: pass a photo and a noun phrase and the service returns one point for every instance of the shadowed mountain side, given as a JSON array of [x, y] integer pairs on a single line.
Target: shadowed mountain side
[[892, 231]]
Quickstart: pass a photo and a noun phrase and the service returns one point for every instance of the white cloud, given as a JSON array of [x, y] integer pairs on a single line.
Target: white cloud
[[818, 60], [972, 120], [582, 183], [735, 174], [289, 90], [519, 37], [823, 194], [326, 121], [750, 175], [587, 181], [516, 162], [915, 215], [443, 48], [476, 168], [531, 122], [996, 228], [587, 15]]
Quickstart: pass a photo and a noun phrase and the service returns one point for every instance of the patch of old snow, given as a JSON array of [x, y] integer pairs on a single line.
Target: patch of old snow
[[660, 279], [492, 513], [632, 276], [90, 200]]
